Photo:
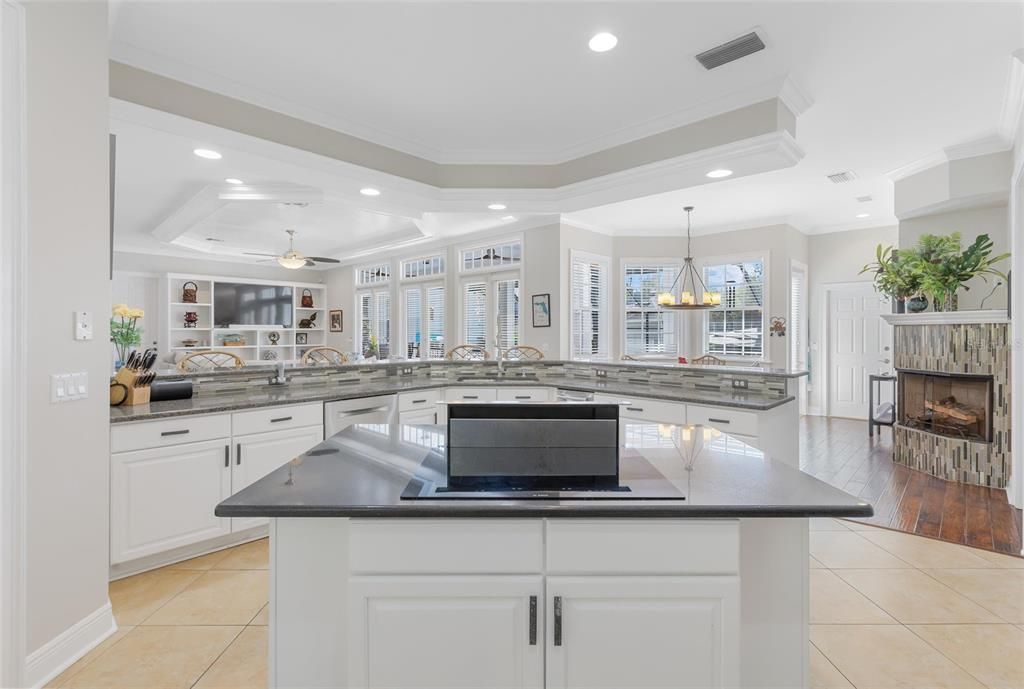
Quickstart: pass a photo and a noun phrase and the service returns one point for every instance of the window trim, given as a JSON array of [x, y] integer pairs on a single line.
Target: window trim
[[763, 256], [677, 263], [423, 278], [490, 278], [514, 239], [423, 286], [377, 283], [604, 331]]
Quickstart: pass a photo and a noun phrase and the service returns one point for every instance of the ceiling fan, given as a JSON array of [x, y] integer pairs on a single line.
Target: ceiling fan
[[292, 259]]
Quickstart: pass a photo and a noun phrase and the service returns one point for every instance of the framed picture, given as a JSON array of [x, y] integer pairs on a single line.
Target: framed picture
[[301, 338], [337, 321], [542, 311]]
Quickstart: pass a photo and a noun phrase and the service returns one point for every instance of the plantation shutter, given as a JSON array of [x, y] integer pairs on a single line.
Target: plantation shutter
[[383, 318], [413, 322], [589, 291], [797, 317], [365, 321], [474, 314], [508, 312], [649, 329], [435, 322]]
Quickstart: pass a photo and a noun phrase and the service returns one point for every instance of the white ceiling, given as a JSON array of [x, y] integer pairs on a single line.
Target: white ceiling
[[502, 82]]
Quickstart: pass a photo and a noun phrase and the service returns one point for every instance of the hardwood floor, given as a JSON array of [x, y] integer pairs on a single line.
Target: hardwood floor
[[840, 452]]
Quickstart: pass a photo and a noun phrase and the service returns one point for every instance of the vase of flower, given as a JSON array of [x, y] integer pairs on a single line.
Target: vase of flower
[[125, 332]]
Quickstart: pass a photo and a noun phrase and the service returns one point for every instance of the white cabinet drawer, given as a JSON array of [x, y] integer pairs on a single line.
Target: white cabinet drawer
[[421, 399], [143, 435], [471, 394], [642, 546], [724, 419], [518, 394], [277, 418], [446, 546], [641, 409]]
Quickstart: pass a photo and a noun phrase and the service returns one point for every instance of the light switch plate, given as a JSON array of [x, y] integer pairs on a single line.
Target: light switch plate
[[83, 325], [65, 387]]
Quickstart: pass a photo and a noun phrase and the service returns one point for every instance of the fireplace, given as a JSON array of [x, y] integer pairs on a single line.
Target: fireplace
[[949, 404]]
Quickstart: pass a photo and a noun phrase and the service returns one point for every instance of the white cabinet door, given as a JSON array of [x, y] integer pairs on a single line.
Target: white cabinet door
[[446, 632], [258, 454], [164, 498], [642, 632], [421, 416]]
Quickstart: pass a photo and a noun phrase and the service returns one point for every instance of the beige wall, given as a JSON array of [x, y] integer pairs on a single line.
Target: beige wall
[[543, 273], [833, 258], [68, 242], [991, 220]]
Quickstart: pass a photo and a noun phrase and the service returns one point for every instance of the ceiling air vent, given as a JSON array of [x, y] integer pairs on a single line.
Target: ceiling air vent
[[733, 50], [863, 199], [842, 177]]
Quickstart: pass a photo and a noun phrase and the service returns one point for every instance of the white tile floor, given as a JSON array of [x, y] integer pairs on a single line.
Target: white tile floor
[[888, 611]]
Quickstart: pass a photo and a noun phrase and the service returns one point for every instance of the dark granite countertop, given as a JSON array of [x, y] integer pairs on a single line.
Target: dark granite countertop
[[267, 395], [363, 471]]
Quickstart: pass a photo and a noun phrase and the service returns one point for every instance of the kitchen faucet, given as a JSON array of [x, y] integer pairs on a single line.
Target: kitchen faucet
[[279, 377]]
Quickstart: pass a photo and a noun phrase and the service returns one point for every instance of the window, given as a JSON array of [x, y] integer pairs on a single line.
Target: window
[[736, 328], [431, 266], [490, 310], [424, 322], [374, 307], [589, 306], [498, 255], [373, 275], [650, 331]]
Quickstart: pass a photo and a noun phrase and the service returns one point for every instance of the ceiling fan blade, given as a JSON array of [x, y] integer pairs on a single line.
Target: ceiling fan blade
[[321, 259], [309, 263], [255, 253]]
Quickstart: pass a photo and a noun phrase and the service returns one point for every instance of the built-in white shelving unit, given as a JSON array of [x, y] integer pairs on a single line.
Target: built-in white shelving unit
[[258, 346]]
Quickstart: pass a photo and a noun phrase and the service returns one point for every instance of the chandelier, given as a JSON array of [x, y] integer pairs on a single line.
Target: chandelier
[[694, 293]]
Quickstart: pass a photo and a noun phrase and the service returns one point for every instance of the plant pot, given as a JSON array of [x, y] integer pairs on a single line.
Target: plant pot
[[916, 304], [899, 305]]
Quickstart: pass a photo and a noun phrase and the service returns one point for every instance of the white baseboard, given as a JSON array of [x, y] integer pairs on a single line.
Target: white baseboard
[[56, 656]]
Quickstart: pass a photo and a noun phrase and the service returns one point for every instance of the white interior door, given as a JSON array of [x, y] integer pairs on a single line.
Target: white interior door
[[860, 344]]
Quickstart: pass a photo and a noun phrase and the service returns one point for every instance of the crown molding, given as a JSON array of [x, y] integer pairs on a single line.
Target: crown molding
[[984, 145], [961, 203], [794, 97]]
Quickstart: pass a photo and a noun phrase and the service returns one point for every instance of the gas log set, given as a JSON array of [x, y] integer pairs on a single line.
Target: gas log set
[[954, 405]]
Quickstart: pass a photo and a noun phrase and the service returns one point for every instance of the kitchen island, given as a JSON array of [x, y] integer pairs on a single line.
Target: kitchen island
[[703, 586]]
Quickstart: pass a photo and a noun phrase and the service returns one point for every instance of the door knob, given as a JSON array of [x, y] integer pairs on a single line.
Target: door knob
[[884, 361]]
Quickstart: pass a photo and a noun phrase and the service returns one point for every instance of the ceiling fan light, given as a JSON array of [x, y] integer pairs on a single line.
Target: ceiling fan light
[[291, 262]]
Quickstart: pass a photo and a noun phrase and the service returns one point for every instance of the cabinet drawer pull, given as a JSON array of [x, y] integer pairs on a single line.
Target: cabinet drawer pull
[[634, 408], [281, 418], [227, 456], [533, 620], [238, 453], [524, 397], [558, 620], [470, 397], [718, 420], [418, 401], [181, 432]]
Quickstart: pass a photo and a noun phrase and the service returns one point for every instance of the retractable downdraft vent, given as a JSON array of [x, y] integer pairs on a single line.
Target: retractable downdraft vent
[[730, 51]]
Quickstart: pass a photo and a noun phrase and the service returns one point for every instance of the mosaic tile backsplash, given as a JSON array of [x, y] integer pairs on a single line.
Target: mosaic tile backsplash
[[979, 349]]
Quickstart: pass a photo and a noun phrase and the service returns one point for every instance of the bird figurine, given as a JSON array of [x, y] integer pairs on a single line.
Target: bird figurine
[[308, 322]]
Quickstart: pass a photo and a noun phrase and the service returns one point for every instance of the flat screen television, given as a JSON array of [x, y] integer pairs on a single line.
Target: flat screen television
[[239, 303]]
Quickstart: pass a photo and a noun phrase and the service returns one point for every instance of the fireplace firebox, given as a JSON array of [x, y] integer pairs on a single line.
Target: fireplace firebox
[[950, 404]]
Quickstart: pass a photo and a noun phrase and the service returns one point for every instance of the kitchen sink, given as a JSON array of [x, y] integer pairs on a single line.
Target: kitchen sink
[[532, 378]]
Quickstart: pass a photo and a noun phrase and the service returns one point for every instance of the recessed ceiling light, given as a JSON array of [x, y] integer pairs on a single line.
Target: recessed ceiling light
[[508, 218], [207, 153], [234, 180], [863, 215], [497, 206], [603, 42], [369, 191], [719, 173]]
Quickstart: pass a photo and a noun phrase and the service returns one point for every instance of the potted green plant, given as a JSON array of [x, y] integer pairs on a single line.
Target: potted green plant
[[896, 275], [945, 269], [373, 349]]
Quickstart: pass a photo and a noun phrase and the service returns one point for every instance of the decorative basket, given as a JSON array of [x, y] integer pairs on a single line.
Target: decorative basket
[[307, 299], [189, 294]]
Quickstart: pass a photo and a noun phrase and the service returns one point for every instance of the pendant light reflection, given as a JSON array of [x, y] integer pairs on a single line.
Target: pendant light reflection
[[690, 441]]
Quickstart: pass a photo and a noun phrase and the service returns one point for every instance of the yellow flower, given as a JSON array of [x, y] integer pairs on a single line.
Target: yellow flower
[[122, 310], [136, 313]]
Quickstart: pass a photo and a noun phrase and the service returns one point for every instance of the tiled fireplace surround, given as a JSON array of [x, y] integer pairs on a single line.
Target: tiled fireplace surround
[[981, 349]]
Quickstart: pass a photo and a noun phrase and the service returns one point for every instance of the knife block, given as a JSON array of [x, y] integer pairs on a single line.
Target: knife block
[[127, 377]]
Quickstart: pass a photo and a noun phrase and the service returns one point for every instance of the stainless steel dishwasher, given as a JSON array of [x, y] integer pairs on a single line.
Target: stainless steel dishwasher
[[366, 410]]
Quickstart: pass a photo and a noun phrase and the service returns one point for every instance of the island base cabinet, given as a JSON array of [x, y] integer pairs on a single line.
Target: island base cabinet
[[446, 632], [163, 498], [258, 454], [642, 632]]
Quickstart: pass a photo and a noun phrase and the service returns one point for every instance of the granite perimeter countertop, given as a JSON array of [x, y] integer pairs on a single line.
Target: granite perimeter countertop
[[364, 472], [296, 393]]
